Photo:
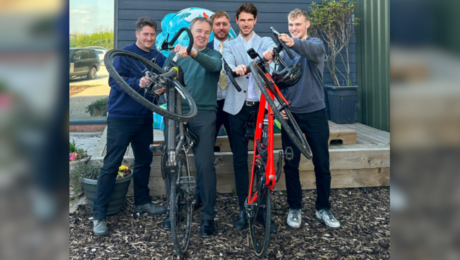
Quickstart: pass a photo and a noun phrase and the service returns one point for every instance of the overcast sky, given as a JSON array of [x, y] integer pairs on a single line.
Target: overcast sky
[[88, 15]]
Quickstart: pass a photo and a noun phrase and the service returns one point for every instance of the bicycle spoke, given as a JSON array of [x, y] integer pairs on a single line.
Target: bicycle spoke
[[127, 68], [260, 212], [181, 207]]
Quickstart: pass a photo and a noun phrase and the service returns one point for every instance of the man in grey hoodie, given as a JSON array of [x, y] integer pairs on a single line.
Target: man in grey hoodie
[[308, 109]]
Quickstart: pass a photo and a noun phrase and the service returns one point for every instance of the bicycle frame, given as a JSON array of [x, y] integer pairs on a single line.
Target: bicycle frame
[[270, 172]]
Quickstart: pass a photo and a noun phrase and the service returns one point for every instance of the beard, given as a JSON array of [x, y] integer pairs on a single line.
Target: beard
[[216, 35]]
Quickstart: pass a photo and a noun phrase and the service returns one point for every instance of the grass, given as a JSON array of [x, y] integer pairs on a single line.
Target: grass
[[102, 37]]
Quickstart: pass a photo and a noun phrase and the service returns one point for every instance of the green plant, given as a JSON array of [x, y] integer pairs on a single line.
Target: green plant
[[82, 171], [101, 37], [76, 154], [96, 105], [334, 22]]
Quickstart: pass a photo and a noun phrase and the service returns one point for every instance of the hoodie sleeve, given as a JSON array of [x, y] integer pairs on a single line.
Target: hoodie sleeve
[[311, 48]]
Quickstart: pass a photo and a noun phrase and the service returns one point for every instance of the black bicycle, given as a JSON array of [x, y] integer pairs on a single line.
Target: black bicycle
[[181, 108]]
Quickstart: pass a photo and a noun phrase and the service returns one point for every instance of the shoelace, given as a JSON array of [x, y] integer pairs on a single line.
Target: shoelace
[[328, 214], [295, 214]]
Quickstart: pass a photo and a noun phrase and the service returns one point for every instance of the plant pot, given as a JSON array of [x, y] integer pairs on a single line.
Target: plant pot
[[343, 103], [118, 194], [72, 166]]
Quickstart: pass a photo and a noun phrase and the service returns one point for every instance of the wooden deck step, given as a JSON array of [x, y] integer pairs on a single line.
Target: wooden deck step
[[339, 134], [365, 163]]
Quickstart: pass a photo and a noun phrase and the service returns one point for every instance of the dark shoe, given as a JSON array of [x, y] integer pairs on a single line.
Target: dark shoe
[[149, 208], [241, 222], [100, 228], [273, 227], [197, 202], [167, 223], [207, 228]]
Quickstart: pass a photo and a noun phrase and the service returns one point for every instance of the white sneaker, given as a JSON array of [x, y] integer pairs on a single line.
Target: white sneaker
[[294, 218], [325, 216]]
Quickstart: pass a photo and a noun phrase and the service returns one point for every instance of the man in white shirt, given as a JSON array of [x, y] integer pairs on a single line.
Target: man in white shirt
[[240, 105]]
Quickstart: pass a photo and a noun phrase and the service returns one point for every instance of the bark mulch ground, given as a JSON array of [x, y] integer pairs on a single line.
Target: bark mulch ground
[[363, 212]]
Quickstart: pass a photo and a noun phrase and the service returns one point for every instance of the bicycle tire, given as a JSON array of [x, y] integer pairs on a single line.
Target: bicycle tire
[[260, 241], [179, 203], [141, 61], [292, 129]]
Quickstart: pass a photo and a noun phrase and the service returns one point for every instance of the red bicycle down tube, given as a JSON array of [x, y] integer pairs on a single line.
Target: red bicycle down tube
[[270, 174]]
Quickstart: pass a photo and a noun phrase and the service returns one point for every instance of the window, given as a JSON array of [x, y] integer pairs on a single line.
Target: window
[[91, 54], [85, 54], [78, 55]]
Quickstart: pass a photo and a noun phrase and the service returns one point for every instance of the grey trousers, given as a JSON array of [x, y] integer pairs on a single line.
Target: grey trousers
[[204, 126]]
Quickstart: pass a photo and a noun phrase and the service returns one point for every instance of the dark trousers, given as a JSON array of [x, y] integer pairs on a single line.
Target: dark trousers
[[221, 119], [203, 125], [316, 129], [121, 132], [240, 151]]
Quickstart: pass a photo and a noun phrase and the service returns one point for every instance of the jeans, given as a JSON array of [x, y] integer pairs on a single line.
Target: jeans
[[121, 132], [316, 129]]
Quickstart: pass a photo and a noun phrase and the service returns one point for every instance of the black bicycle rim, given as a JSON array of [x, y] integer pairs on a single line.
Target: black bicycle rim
[[259, 230], [180, 209], [296, 135], [136, 64]]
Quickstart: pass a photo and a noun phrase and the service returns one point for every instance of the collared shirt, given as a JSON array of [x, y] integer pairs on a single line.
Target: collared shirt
[[251, 95], [221, 94]]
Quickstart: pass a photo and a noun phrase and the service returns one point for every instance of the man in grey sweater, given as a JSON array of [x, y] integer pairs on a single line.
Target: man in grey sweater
[[307, 107]]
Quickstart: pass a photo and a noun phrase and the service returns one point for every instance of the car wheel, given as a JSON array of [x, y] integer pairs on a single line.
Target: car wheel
[[91, 73]]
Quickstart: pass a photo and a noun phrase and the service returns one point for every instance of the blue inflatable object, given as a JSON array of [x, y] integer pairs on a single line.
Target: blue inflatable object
[[172, 23]]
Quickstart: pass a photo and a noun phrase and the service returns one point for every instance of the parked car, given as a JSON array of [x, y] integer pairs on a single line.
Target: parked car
[[83, 61], [101, 51]]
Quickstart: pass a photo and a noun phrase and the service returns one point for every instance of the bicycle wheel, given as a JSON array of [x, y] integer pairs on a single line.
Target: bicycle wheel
[[121, 63], [180, 206], [259, 226], [292, 128]]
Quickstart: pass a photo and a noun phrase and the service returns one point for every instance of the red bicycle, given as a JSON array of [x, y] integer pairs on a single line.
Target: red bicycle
[[263, 175]]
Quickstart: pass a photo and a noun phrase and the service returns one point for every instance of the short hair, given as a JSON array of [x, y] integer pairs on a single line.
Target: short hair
[[219, 14], [199, 19], [298, 12], [247, 8], [145, 21]]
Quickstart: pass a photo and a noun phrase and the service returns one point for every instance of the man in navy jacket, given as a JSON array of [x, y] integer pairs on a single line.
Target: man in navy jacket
[[129, 122]]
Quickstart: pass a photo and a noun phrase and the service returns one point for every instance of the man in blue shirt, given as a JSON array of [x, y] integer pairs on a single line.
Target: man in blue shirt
[[129, 122], [307, 107]]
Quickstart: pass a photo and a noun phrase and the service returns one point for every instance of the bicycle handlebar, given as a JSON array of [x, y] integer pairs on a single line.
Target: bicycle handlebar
[[282, 45], [171, 73], [231, 75], [190, 36]]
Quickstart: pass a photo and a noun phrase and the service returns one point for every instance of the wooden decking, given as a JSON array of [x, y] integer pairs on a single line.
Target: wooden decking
[[365, 163]]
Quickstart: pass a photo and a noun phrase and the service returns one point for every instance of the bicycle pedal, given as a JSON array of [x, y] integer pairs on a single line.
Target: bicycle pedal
[[156, 148], [289, 153], [189, 181]]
